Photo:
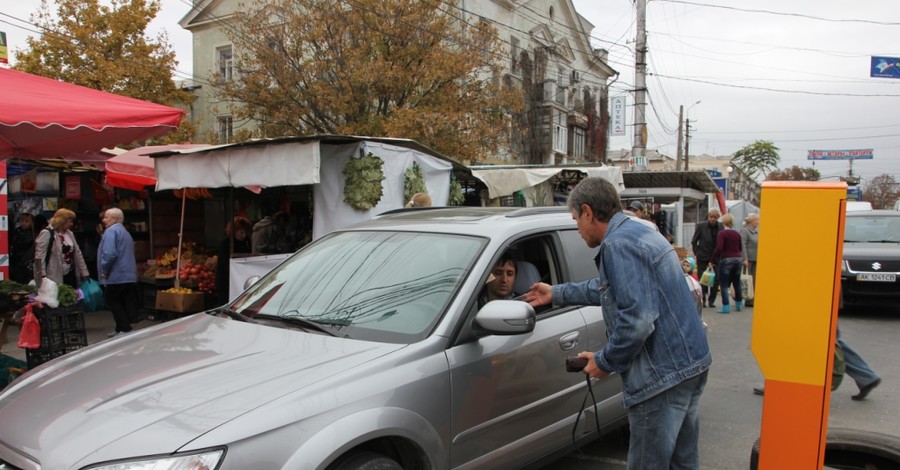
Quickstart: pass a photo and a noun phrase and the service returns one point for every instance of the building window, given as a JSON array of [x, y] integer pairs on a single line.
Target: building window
[[577, 147], [225, 63], [226, 129], [560, 133], [514, 52], [562, 82]]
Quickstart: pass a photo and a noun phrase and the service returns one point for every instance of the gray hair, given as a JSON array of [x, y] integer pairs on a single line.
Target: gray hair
[[751, 217], [115, 214], [599, 194], [714, 211]]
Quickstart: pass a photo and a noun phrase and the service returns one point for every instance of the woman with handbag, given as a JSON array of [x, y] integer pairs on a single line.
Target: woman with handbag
[[749, 241], [729, 258], [56, 253]]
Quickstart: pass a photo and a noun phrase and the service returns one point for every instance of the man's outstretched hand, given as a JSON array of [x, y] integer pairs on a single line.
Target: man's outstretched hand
[[540, 294]]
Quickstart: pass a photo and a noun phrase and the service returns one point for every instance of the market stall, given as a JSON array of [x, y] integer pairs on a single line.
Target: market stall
[[318, 161]]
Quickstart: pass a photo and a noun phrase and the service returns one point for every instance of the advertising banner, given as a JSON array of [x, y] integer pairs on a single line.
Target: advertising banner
[[885, 67], [856, 154], [617, 115]]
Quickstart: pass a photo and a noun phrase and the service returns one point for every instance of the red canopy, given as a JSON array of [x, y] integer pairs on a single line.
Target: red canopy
[[42, 117], [134, 170]]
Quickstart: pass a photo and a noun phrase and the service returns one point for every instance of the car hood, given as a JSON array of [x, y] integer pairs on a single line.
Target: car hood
[[155, 390]]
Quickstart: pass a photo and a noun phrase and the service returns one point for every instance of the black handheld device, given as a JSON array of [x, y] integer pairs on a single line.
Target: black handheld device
[[575, 363]]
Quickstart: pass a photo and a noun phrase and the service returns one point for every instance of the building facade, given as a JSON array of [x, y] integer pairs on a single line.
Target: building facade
[[549, 55]]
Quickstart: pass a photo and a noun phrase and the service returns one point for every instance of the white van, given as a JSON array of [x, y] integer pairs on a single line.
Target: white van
[[853, 206]]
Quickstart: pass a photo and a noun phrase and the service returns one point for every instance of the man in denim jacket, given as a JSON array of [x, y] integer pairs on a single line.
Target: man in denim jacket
[[656, 340]]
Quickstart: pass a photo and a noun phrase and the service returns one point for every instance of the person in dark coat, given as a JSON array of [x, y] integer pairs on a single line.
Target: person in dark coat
[[237, 241], [703, 243], [21, 250]]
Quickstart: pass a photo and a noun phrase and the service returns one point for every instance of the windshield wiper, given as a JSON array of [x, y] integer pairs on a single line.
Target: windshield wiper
[[302, 322], [231, 314]]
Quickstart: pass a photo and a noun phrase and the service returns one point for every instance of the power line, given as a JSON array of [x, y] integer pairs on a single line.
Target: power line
[[776, 90], [779, 13]]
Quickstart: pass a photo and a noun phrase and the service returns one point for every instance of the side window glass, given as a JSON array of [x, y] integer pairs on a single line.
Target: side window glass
[[579, 257]]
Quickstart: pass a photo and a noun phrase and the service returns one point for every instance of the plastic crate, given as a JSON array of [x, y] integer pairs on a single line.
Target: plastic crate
[[62, 331]]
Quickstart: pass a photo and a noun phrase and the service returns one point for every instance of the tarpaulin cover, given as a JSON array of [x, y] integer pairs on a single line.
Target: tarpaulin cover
[[134, 170], [41, 117]]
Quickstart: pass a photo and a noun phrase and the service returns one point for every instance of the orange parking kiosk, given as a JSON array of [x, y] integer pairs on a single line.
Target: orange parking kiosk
[[795, 317]]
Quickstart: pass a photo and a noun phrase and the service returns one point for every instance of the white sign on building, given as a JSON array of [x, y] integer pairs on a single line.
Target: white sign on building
[[617, 115]]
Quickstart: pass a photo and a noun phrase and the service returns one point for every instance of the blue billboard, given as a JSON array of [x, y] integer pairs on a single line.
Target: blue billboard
[[885, 67]]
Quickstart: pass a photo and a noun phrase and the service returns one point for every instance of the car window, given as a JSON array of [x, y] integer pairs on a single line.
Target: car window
[[378, 286], [579, 257], [872, 229]]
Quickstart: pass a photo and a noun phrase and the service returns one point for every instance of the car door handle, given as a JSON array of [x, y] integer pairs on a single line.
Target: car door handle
[[569, 341]]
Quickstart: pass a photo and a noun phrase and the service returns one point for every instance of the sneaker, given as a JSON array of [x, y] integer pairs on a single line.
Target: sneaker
[[759, 391], [112, 333]]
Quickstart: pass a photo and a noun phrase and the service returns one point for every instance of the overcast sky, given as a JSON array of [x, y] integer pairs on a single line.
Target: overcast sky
[[795, 73]]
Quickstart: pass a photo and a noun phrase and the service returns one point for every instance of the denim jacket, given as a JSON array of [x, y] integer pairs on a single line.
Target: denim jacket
[[656, 338]]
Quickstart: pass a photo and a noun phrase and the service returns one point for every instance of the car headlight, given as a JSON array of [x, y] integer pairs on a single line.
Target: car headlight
[[202, 460]]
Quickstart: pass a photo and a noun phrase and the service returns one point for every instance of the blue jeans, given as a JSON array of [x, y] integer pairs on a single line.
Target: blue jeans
[[855, 366], [729, 272], [665, 429]]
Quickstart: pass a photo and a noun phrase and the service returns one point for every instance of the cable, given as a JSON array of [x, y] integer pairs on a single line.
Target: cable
[[801, 92], [800, 15]]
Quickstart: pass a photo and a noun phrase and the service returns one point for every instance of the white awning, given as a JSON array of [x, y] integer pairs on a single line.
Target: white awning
[[505, 180], [283, 164]]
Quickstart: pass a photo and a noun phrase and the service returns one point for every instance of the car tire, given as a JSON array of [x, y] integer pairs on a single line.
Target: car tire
[[851, 449], [366, 461]]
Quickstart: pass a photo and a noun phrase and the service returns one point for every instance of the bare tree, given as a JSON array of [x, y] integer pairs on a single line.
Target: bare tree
[[882, 191]]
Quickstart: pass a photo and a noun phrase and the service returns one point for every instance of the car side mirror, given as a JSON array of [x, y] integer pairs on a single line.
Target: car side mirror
[[250, 281], [506, 317]]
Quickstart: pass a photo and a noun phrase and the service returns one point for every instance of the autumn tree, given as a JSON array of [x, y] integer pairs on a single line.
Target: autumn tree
[[393, 68], [104, 47], [795, 173], [760, 157], [882, 191]]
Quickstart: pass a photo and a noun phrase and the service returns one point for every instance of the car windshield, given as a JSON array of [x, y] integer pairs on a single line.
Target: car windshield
[[872, 229], [378, 286]]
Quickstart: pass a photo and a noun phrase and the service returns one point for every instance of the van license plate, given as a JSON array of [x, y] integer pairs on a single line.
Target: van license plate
[[877, 277]]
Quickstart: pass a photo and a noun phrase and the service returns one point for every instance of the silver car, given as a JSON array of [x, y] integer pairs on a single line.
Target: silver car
[[367, 349]]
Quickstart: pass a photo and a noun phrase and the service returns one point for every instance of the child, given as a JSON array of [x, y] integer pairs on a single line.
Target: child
[[689, 266]]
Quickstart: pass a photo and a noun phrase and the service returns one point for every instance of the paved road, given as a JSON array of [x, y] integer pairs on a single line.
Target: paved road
[[730, 412]]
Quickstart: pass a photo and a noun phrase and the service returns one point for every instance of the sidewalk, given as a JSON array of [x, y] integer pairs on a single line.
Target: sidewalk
[[96, 324]]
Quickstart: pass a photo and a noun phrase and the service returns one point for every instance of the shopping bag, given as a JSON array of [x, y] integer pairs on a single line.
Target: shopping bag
[[746, 285], [30, 334], [93, 296], [708, 278]]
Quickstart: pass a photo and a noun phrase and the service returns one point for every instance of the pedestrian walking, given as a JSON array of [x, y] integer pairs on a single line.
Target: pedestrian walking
[[702, 244], [749, 242], [728, 259]]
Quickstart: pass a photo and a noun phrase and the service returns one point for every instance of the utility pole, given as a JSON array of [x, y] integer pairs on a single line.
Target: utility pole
[[687, 143], [639, 145], [678, 154]]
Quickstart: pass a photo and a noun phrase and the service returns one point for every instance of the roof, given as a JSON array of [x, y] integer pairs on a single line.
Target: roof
[[692, 179], [461, 171]]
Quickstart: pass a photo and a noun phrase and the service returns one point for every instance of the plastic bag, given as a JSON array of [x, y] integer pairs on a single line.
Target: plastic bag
[[93, 296], [708, 278], [30, 334], [48, 294]]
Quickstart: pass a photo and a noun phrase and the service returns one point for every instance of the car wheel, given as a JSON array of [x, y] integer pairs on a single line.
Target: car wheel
[[366, 461], [851, 449]]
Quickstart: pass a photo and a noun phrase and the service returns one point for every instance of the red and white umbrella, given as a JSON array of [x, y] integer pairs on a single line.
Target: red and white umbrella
[[41, 117], [135, 170]]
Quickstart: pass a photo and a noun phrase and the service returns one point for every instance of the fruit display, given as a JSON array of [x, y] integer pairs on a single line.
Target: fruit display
[[179, 290], [201, 275]]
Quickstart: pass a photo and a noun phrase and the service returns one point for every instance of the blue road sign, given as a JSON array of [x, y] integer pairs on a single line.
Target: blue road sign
[[885, 67]]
